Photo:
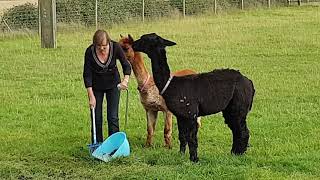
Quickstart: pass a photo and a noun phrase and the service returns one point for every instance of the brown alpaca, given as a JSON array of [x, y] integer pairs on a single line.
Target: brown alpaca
[[150, 96]]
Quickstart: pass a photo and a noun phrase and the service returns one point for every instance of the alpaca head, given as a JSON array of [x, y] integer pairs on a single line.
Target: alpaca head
[[126, 45], [149, 43]]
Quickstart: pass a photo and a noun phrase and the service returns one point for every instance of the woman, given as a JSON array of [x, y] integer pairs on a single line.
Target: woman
[[101, 77]]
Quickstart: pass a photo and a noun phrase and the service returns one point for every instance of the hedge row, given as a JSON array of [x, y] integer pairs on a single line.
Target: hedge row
[[112, 11]]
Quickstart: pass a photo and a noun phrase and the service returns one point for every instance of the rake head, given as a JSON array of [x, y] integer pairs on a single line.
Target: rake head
[[93, 147]]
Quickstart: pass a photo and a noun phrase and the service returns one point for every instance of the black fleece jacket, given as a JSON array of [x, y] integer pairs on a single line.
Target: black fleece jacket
[[103, 76]]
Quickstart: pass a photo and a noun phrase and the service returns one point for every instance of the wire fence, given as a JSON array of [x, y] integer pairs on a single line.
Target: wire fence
[[94, 13], [106, 12]]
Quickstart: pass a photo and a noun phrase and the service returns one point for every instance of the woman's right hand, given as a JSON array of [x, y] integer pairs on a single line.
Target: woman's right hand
[[92, 102], [92, 98]]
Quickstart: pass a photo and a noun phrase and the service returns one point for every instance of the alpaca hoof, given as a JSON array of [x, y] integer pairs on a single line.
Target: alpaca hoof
[[147, 145], [182, 150], [168, 146], [238, 151], [194, 159]]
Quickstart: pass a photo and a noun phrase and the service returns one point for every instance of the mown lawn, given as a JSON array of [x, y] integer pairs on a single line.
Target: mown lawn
[[45, 118]]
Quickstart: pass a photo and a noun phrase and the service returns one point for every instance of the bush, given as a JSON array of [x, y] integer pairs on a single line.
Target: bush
[[110, 11], [198, 6], [116, 11], [75, 11], [83, 11], [158, 8], [21, 17]]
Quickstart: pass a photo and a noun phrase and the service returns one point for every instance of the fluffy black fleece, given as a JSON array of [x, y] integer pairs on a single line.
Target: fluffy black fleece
[[189, 97]]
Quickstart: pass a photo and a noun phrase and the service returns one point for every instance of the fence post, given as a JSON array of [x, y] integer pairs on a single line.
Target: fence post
[[184, 8], [142, 10], [269, 4], [47, 23], [96, 14], [215, 6], [242, 4]]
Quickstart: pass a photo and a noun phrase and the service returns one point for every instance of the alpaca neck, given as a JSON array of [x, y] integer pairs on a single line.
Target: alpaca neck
[[139, 69], [160, 68]]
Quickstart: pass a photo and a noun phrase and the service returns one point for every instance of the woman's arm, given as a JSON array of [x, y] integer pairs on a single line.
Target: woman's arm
[[87, 71], [91, 97], [87, 78], [126, 67]]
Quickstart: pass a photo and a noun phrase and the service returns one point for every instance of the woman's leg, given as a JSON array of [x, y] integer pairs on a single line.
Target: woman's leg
[[98, 115], [113, 97]]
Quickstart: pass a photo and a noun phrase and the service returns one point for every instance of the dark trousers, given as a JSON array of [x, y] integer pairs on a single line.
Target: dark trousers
[[112, 97]]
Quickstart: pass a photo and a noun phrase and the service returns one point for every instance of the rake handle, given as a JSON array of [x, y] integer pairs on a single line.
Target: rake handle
[[126, 116], [92, 109]]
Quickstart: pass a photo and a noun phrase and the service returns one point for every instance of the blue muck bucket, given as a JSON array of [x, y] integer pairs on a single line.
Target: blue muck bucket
[[116, 145]]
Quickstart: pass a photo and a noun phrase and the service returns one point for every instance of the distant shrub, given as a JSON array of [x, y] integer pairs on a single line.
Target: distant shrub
[[21, 17], [110, 11], [194, 7], [116, 11], [198, 6], [158, 8], [75, 11]]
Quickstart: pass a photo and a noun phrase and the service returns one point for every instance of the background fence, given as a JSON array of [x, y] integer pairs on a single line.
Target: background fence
[[24, 17], [77, 16]]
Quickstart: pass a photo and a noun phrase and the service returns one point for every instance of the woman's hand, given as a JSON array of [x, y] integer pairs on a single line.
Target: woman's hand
[[92, 102], [92, 98], [124, 84]]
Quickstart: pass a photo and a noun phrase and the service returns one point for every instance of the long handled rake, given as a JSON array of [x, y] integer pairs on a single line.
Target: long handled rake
[[94, 145], [99, 150]]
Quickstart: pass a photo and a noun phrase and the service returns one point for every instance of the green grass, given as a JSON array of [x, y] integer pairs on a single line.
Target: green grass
[[45, 119]]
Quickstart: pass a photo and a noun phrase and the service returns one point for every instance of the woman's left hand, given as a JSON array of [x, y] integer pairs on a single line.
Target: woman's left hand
[[123, 85]]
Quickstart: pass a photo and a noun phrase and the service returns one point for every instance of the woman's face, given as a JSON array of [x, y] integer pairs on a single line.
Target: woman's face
[[103, 46]]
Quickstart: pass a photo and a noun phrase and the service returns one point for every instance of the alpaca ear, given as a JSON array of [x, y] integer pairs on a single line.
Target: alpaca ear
[[168, 43], [130, 38]]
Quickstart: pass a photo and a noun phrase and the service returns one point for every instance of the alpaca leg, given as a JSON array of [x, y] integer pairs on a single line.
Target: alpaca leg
[[193, 140], [240, 132], [182, 134], [151, 124], [168, 129], [242, 137]]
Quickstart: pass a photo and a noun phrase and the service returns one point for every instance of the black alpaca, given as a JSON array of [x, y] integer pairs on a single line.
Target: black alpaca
[[189, 97]]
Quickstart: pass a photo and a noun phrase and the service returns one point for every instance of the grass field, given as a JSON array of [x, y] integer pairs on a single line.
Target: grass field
[[45, 118]]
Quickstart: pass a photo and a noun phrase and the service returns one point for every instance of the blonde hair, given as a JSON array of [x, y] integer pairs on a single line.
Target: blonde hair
[[99, 36]]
